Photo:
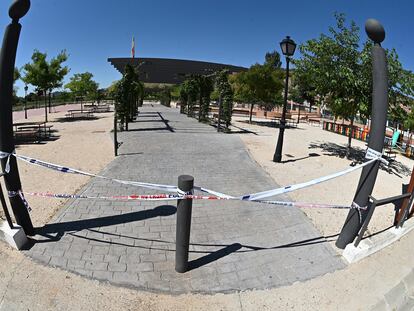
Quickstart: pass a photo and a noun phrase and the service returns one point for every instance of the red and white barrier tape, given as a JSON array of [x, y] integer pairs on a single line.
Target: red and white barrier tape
[[170, 197], [257, 197]]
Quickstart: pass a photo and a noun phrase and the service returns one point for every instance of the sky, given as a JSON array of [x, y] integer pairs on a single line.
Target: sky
[[237, 32]]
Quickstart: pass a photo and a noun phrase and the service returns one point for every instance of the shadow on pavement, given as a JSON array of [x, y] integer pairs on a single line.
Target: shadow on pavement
[[53, 232], [310, 155], [357, 155]]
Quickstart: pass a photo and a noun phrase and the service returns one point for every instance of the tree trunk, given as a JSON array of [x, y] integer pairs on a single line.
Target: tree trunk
[[45, 107], [50, 105], [251, 113], [351, 127]]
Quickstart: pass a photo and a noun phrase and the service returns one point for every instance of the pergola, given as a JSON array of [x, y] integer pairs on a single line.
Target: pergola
[[170, 71]]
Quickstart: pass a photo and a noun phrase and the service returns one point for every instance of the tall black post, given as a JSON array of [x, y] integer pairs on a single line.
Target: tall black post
[[277, 157], [183, 225], [17, 10], [369, 173]]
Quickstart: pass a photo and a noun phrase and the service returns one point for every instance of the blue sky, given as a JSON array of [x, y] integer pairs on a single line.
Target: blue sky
[[237, 32]]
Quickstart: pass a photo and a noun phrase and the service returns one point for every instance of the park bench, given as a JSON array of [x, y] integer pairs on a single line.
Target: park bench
[[27, 135], [97, 107], [74, 114], [289, 122], [312, 121], [102, 108], [43, 130]]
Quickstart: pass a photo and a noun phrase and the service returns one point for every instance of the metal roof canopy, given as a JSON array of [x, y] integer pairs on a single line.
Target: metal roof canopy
[[169, 71]]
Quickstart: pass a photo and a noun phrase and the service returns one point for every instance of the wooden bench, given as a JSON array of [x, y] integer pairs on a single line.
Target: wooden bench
[[314, 120], [102, 108], [79, 114], [289, 122], [27, 134]]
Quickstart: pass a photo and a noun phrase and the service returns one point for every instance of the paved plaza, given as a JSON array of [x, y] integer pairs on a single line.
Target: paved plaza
[[234, 245]]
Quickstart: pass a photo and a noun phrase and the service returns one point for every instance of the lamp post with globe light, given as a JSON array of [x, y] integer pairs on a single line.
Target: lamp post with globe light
[[288, 47]]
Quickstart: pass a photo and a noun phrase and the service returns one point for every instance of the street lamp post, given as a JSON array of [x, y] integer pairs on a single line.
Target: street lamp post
[[288, 47], [25, 101]]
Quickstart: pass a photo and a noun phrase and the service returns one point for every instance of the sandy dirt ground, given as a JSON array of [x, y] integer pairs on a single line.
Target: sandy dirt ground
[[25, 285], [310, 152], [82, 144]]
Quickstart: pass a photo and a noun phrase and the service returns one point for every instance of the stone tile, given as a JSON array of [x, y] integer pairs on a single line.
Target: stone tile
[[127, 278], [140, 267], [142, 241], [116, 266], [96, 265]]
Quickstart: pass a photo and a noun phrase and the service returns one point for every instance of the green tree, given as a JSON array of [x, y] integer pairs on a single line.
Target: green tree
[[191, 88], [336, 70], [45, 76], [127, 93], [205, 88], [261, 84], [82, 85], [225, 96]]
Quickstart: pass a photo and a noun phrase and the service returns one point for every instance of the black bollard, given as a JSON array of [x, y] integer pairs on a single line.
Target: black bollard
[[17, 10], [183, 225], [356, 218]]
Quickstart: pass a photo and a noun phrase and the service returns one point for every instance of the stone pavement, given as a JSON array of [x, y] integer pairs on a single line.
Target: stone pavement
[[234, 245]]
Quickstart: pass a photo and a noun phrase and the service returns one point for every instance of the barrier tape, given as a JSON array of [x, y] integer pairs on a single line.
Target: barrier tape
[[374, 154], [257, 197], [19, 193], [7, 155], [69, 170], [170, 197], [290, 188]]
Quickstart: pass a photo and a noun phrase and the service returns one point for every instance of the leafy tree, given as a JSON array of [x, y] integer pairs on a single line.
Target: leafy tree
[[335, 69], [205, 88], [272, 59], [191, 88], [43, 75], [303, 88], [261, 84], [183, 97], [127, 93], [225, 96], [82, 85]]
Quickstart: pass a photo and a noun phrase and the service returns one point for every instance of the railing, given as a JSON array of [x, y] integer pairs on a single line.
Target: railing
[[343, 129]]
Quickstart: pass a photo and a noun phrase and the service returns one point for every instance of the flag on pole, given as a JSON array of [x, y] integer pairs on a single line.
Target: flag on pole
[[133, 47]]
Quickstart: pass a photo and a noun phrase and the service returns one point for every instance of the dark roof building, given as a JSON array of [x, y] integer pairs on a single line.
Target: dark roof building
[[171, 71]]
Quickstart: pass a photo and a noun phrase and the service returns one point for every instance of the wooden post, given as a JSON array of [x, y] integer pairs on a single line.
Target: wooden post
[[404, 204]]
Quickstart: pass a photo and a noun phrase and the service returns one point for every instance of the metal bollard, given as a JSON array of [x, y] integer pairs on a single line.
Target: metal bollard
[[183, 225]]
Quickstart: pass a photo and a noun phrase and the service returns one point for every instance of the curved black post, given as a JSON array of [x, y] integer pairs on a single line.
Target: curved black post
[[18, 9], [369, 173]]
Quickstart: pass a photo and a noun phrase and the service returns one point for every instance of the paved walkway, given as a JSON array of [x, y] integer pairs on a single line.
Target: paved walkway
[[234, 245]]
